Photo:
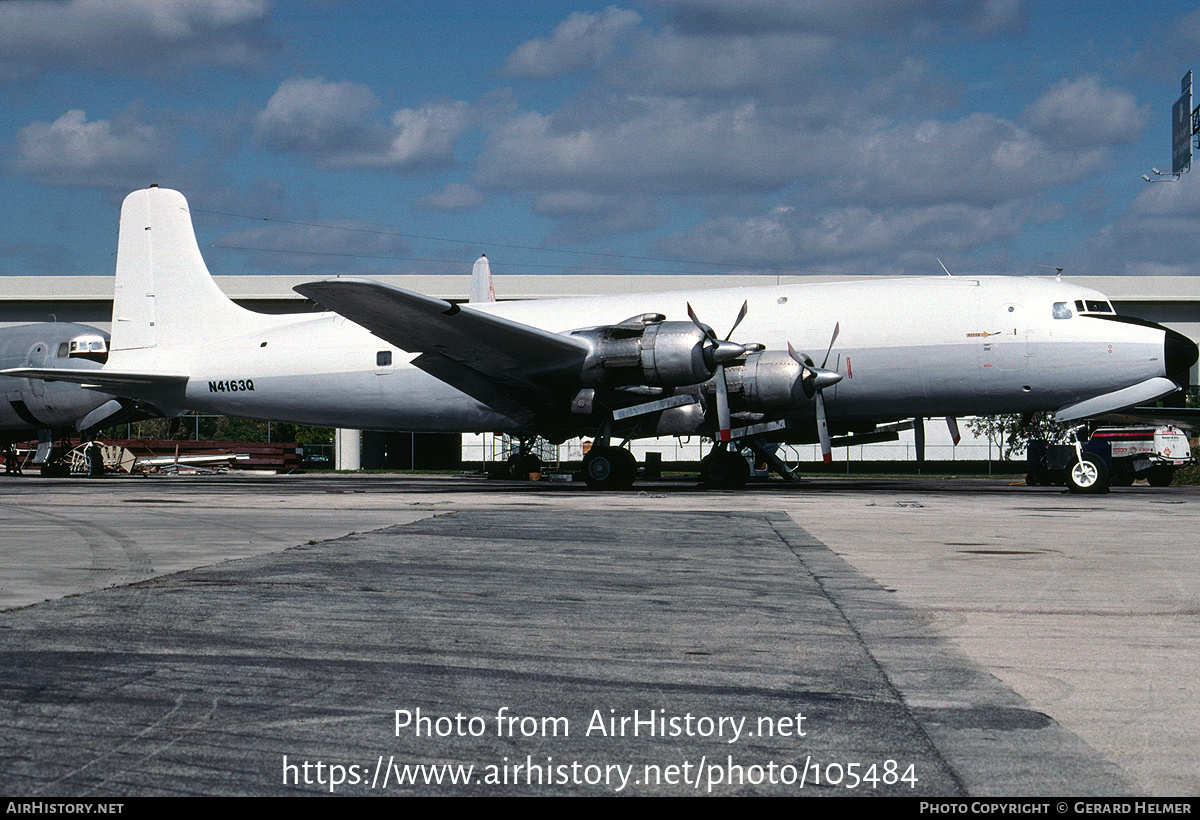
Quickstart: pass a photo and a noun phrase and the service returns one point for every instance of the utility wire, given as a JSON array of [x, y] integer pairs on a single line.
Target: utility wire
[[476, 243]]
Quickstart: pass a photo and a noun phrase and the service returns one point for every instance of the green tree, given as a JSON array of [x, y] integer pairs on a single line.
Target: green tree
[[1011, 433]]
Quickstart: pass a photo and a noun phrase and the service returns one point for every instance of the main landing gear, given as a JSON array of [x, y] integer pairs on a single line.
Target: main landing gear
[[609, 468], [724, 469]]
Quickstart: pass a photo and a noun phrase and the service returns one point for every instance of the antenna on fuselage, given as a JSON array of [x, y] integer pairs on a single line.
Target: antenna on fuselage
[[945, 269], [1057, 276]]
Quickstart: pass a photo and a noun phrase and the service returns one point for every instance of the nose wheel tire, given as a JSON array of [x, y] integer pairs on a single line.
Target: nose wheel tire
[[1090, 475]]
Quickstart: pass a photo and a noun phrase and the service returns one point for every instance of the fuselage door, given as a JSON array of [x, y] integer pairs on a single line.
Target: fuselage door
[[1005, 350], [37, 358]]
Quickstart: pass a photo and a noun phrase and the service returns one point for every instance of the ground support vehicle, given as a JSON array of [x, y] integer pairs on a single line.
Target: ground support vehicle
[[1110, 455]]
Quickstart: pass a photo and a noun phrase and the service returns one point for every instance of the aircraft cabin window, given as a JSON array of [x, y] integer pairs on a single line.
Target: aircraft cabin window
[[383, 358], [1062, 310]]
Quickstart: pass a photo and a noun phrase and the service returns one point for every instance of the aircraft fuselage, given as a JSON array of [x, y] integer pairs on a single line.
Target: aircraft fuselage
[[911, 347], [32, 404]]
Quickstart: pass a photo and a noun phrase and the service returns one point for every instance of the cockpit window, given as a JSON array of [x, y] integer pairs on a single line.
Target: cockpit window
[[1062, 310], [1093, 306], [62, 350], [88, 347]]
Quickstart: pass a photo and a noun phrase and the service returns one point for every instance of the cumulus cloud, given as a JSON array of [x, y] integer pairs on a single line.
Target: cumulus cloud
[[760, 239], [73, 151], [1083, 114], [662, 145], [584, 217], [837, 15], [580, 41], [786, 236], [456, 196], [130, 34], [981, 158], [719, 64], [312, 116], [335, 124]]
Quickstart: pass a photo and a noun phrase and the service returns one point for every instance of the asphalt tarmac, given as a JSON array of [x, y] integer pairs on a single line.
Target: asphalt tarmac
[[371, 635]]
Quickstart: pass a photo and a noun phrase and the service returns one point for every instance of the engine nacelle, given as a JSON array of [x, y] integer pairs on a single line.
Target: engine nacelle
[[647, 352], [769, 381], [681, 421]]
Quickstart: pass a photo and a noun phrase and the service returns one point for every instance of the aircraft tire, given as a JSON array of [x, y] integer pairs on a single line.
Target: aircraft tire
[[518, 467], [1088, 476], [609, 468], [724, 470], [1032, 479]]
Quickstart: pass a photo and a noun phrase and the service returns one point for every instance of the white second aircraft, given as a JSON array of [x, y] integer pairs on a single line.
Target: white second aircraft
[[55, 410], [624, 366]]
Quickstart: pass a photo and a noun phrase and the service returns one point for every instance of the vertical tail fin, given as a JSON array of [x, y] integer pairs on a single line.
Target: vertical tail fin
[[481, 281], [164, 295]]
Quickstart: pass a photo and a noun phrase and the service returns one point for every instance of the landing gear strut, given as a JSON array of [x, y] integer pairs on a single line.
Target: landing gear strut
[[523, 462], [1089, 473]]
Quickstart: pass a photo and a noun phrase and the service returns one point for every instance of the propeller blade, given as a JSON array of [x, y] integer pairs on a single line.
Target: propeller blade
[[708, 331], [823, 429], [814, 380], [952, 423], [837, 328], [716, 354], [723, 421], [741, 315]]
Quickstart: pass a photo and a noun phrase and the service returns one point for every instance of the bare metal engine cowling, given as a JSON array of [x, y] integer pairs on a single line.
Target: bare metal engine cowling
[[770, 381], [657, 354]]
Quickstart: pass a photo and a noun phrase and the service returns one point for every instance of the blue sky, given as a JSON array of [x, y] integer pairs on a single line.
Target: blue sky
[[702, 136]]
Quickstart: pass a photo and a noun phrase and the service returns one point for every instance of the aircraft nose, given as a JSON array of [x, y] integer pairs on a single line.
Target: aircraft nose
[[1179, 353]]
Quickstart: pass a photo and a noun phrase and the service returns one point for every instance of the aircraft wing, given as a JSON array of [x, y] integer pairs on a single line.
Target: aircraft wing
[[1149, 390], [504, 364], [110, 381]]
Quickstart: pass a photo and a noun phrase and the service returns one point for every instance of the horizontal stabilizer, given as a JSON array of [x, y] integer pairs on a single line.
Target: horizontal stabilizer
[[1149, 390], [110, 381]]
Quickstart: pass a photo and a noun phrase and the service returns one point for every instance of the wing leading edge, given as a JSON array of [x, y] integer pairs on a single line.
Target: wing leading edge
[[109, 381], [507, 365]]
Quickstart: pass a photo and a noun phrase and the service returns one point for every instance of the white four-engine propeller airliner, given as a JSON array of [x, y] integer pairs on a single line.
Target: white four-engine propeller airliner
[[620, 367]]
